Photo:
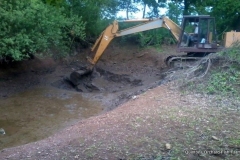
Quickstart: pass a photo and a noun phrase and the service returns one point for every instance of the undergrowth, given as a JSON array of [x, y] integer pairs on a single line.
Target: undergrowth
[[223, 78], [218, 81], [31, 27]]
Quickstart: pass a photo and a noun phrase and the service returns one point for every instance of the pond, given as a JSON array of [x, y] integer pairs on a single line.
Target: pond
[[40, 112]]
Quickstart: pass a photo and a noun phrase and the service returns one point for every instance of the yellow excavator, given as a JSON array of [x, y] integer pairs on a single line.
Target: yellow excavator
[[194, 42]]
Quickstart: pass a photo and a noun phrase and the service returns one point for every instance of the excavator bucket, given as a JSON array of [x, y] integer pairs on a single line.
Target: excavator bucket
[[76, 76]]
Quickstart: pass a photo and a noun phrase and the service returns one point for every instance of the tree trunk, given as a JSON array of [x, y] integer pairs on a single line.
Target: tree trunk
[[144, 10], [127, 10], [186, 7], [237, 24]]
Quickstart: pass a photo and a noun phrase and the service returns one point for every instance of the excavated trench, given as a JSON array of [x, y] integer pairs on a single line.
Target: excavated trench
[[112, 89], [100, 81]]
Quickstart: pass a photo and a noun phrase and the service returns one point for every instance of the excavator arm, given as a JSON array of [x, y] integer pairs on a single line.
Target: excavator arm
[[112, 31], [195, 50]]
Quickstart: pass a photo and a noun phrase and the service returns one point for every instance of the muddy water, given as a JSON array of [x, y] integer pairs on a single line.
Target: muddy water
[[40, 112]]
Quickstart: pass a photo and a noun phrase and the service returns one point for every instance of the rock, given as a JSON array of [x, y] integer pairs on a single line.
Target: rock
[[134, 97], [168, 146], [2, 131], [215, 138]]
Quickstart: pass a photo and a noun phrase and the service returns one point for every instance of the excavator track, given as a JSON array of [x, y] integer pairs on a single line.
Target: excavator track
[[180, 61]]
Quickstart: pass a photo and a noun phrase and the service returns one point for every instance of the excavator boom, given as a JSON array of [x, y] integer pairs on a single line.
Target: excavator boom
[[112, 31], [103, 41]]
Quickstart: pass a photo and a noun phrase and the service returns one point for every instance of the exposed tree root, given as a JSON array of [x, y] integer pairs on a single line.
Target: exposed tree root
[[194, 71]]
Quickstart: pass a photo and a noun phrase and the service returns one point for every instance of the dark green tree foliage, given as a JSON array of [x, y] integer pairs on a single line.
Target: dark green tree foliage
[[174, 11], [132, 6], [227, 13], [54, 2], [153, 5], [188, 5], [30, 27], [92, 12], [128, 6]]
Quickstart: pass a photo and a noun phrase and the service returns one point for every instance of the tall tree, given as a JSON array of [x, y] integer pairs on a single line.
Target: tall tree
[[153, 5], [188, 5], [92, 12], [128, 6], [227, 13], [174, 11]]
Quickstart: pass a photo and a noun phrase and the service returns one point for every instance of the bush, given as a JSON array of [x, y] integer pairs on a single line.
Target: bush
[[31, 27], [155, 37], [232, 54], [223, 82], [223, 78]]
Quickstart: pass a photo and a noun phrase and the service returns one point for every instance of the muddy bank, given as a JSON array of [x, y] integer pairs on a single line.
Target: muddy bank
[[109, 88], [120, 74], [37, 101]]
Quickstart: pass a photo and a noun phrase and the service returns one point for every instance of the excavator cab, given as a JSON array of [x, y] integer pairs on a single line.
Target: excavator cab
[[198, 35]]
